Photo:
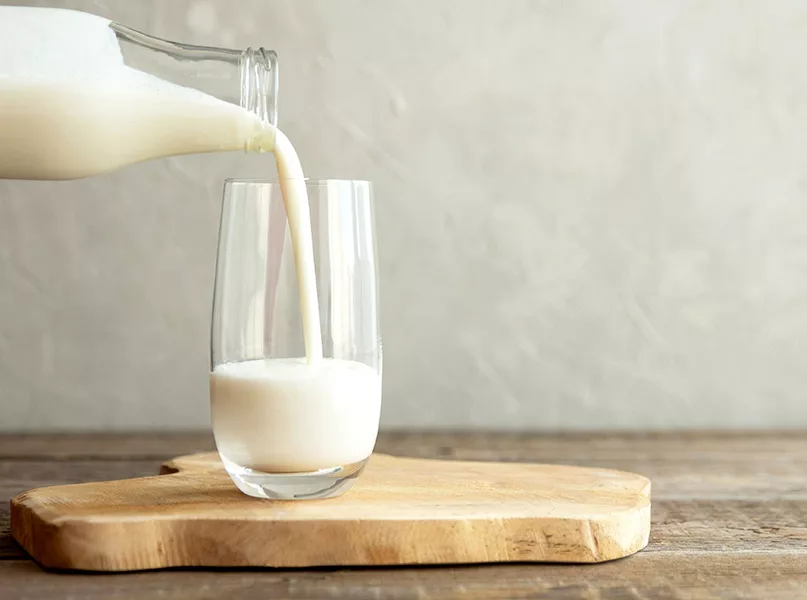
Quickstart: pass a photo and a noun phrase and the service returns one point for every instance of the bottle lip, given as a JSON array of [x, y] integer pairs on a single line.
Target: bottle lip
[[259, 83]]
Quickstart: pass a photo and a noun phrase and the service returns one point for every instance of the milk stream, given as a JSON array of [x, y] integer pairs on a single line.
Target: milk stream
[[71, 108], [295, 199]]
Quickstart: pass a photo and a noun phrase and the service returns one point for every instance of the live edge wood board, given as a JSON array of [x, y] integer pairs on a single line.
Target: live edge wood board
[[401, 511]]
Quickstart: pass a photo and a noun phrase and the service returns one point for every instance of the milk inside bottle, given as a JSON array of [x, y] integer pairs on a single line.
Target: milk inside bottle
[[79, 96]]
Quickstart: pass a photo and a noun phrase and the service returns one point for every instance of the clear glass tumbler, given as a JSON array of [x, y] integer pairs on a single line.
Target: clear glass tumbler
[[285, 428]]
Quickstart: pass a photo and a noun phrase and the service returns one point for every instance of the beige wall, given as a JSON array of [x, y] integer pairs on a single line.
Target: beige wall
[[591, 214]]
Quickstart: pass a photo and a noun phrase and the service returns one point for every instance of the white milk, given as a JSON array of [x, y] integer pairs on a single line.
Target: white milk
[[295, 199], [61, 131], [284, 415], [70, 108]]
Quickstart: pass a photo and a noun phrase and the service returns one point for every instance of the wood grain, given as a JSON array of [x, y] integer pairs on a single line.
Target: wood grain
[[401, 511], [644, 576], [103, 446], [729, 519]]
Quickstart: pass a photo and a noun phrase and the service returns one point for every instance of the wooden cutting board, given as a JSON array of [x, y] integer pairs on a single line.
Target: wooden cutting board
[[401, 511]]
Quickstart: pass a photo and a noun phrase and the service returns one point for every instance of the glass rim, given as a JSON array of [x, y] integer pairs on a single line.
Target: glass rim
[[275, 181]]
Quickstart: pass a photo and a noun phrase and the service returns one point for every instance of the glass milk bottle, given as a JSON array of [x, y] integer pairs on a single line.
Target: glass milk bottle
[[81, 95]]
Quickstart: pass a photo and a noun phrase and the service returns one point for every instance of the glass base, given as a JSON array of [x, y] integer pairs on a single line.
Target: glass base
[[325, 483]]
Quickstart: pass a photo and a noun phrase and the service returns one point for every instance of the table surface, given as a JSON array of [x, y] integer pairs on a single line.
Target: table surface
[[729, 520]]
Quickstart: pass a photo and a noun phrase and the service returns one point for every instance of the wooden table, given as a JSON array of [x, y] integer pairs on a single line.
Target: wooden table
[[729, 521]]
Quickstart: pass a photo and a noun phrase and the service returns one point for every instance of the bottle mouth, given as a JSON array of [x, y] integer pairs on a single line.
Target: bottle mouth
[[259, 83]]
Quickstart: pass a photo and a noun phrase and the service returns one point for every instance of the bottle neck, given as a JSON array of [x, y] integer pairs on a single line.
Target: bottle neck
[[259, 83], [248, 78]]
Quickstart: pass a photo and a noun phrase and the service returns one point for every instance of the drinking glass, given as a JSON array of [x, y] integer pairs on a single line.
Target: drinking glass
[[285, 428]]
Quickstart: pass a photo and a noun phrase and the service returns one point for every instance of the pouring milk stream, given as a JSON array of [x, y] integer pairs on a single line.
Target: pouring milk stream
[[71, 107]]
